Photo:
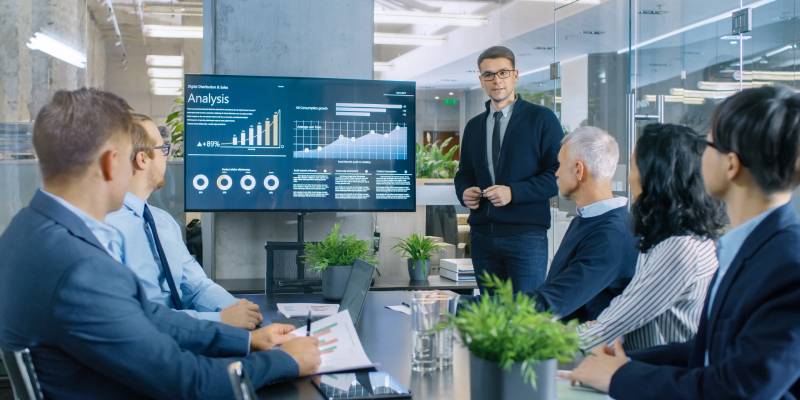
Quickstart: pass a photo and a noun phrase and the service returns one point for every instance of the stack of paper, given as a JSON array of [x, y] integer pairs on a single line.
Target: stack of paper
[[338, 343], [290, 310], [457, 269]]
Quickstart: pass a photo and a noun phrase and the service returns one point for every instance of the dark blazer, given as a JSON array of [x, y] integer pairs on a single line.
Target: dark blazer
[[528, 162], [752, 335], [91, 330]]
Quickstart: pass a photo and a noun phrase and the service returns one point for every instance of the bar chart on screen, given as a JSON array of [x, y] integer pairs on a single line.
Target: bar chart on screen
[[264, 135]]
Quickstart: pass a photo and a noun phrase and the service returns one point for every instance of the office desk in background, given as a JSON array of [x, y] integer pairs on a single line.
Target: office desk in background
[[386, 337], [381, 283]]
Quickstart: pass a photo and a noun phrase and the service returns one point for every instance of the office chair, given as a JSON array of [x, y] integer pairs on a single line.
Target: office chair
[[242, 387], [22, 375]]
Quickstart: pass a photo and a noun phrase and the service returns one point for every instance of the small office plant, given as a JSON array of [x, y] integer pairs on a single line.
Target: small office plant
[[419, 249], [514, 349], [433, 161], [334, 257]]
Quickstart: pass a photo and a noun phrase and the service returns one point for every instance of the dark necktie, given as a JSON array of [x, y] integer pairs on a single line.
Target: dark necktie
[[173, 291], [496, 143]]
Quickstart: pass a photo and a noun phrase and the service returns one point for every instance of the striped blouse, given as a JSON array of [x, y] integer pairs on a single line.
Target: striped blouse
[[664, 300]]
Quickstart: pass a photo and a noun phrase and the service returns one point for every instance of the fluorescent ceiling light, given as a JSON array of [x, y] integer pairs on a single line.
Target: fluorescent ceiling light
[[408, 39], [766, 75], [677, 99], [382, 66], [716, 18], [165, 91], [426, 18], [735, 37], [46, 44], [164, 61], [706, 85], [174, 31], [166, 83], [781, 50], [165, 72], [567, 1], [702, 94]]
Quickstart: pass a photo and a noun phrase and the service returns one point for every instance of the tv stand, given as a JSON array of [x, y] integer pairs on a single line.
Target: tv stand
[[300, 284]]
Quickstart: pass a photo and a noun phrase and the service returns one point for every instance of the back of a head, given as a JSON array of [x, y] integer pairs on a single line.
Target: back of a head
[[673, 201], [597, 149], [73, 127], [762, 126]]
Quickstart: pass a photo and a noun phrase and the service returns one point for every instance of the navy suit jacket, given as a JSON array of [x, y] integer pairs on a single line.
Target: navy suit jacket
[[752, 336], [91, 330], [528, 162]]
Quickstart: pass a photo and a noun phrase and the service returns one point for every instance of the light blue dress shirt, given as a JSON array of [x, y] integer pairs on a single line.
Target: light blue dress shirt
[[490, 131], [201, 296], [727, 248], [108, 236], [601, 207]]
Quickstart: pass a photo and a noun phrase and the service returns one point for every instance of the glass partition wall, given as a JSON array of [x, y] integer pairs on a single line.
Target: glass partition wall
[[622, 64]]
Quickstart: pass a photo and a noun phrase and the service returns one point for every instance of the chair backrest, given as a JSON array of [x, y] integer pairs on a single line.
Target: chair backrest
[[242, 387], [24, 382]]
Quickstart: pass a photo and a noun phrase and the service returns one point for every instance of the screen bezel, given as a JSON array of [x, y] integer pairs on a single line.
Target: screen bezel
[[412, 156]]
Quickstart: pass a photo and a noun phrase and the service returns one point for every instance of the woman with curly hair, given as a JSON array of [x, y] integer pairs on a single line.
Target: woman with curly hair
[[677, 223]]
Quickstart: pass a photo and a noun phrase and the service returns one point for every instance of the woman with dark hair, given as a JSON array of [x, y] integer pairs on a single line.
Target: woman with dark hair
[[677, 223]]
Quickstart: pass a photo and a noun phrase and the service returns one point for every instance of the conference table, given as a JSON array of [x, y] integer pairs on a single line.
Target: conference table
[[386, 337]]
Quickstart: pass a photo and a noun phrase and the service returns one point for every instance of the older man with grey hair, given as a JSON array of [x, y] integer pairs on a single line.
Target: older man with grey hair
[[597, 257]]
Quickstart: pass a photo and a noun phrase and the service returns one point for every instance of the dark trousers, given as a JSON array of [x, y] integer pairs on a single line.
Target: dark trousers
[[521, 257]]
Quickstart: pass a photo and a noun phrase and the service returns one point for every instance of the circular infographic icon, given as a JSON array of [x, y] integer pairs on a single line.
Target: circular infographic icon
[[224, 182], [248, 182], [200, 182], [271, 182]]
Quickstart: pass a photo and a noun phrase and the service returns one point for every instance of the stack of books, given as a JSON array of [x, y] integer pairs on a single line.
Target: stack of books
[[457, 269]]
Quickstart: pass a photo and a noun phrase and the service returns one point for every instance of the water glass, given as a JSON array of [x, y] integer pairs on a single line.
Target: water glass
[[432, 347]]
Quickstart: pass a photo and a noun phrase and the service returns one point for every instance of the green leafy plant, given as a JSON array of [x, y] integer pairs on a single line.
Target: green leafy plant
[[175, 125], [417, 247], [337, 249], [434, 162], [506, 328]]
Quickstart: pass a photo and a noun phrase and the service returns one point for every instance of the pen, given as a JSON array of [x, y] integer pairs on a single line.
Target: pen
[[406, 304], [308, 324]]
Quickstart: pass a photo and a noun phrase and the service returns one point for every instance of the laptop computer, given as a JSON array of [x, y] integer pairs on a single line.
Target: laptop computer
[[355, 294]]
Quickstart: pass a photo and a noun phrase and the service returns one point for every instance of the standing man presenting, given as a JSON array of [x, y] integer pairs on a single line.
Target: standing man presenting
[[506, 176]]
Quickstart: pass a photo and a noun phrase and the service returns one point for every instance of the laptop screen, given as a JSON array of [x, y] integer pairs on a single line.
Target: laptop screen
[[357, 287]]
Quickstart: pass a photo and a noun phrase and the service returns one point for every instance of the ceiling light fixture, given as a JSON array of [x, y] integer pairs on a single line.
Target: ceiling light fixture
[[174, 31], [405, 39], [165, 73], [426, 18], [164, 61], [47, 44]]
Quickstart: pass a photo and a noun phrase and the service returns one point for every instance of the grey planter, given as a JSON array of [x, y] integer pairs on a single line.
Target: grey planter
[[418, 270], [490, 382], [334, 281]]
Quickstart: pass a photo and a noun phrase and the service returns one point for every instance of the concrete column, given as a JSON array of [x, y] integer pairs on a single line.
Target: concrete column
[[310, 38], [29, 78]]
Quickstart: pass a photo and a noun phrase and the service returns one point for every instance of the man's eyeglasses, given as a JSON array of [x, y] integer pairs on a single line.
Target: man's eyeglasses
[[714, 146], [723, 151], [165, 148], [502, 74]]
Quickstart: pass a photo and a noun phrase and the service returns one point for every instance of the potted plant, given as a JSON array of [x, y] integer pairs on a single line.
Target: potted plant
[[419, 250], [433, 161], [334, 257], [513, 348]]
